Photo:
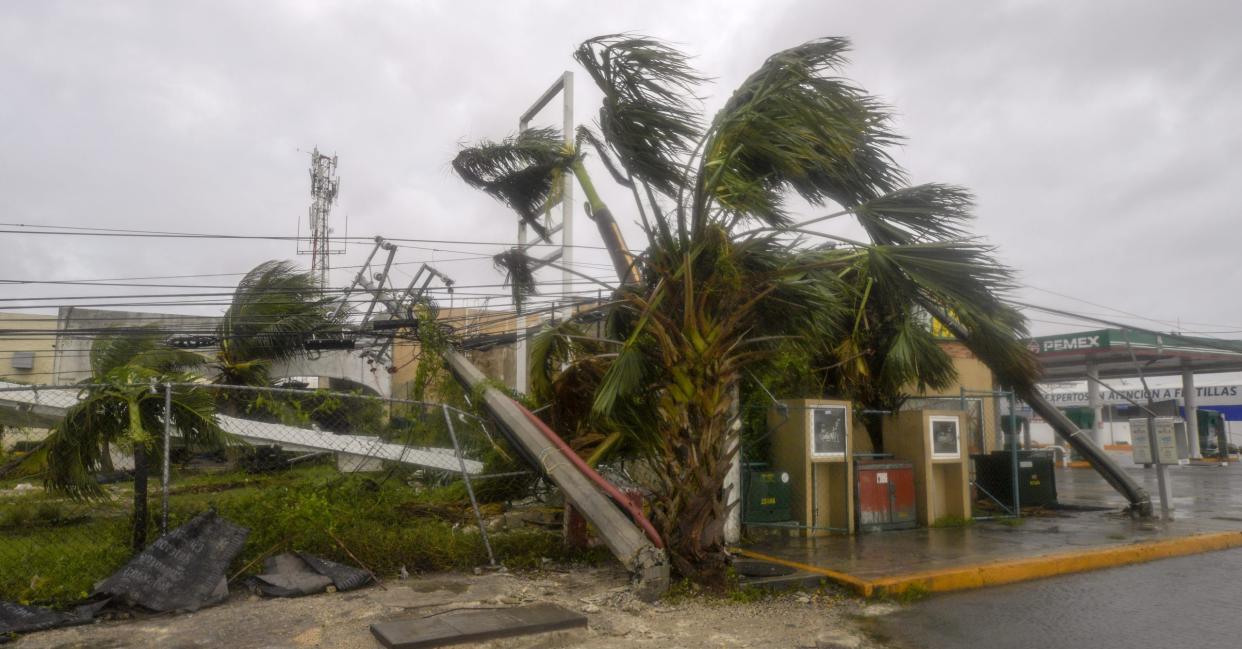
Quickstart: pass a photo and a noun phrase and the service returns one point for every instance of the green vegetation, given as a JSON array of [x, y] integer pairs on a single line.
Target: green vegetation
[[274, 310], [911, 594], [53, 550], [122, 409], [952, 521]]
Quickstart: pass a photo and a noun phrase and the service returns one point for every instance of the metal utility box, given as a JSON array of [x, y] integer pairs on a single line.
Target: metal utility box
[[933, 442], [885, 495], [1037, 480], [812, 441], [769, 497]]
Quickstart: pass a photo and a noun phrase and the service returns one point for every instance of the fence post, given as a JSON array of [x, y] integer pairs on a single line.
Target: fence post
[[478, 517], [164, 478], [1013, 453]]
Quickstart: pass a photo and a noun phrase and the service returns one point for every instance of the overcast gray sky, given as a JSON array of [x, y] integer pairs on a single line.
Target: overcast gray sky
[[1099, 137]]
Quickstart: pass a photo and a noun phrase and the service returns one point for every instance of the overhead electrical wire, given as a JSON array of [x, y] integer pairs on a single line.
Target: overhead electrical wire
[[54, 230]]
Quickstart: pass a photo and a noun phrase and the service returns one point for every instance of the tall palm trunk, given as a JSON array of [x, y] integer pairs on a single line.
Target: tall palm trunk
[[690, 512], [142, 516], [622, 260]]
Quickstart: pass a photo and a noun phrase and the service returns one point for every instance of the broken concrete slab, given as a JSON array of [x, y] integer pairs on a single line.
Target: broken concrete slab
[[475, 625]]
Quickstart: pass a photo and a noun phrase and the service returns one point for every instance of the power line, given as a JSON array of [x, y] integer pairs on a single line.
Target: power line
[[156, 234], [1171, 323]]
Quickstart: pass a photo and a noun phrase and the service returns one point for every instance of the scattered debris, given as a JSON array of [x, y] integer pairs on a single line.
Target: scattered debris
[[15, 618], [297, 574], [183, 570]]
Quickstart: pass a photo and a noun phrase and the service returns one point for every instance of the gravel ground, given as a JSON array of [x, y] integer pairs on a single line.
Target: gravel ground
[[821, 620]]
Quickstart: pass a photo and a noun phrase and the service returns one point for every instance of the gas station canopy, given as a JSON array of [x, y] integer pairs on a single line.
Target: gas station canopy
[[1112, 352]]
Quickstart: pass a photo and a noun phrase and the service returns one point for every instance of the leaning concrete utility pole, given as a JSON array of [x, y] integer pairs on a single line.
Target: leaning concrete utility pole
[[1079, 440], [624, 536]]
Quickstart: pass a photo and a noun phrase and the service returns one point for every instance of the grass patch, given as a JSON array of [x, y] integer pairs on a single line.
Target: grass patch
[[52, 551], [952, 521], [1011, 522], [912, 593]]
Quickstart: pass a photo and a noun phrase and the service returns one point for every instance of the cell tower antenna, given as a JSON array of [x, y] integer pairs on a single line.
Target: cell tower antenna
[[324, 188]]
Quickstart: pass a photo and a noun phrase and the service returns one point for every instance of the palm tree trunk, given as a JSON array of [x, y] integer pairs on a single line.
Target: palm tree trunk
[[141, 514], [105, 459], [622, 260]]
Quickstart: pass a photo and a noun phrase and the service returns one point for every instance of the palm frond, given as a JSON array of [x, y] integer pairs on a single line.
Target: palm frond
[[523, 171], [551, 349], [791, 125], [925, 212], [648, 116], [519, 274], [274, 310], [623, 376], [961, 280], [914, 358]]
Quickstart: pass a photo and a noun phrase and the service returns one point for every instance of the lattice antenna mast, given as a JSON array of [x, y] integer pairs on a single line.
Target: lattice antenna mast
[[324, 188]]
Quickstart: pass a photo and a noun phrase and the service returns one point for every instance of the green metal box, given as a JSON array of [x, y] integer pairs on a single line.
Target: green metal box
[[768, 497], [1037, 484]]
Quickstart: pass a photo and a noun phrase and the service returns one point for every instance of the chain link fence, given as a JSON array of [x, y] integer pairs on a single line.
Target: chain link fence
[[394, 486]]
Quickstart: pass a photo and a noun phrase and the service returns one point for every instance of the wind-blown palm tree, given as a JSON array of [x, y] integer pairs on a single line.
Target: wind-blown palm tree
[[274, 311], [729, 278], [123, 406]]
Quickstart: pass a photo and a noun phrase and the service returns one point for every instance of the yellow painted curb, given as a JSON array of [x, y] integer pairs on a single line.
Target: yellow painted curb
[[1007, 572], [860, 586]]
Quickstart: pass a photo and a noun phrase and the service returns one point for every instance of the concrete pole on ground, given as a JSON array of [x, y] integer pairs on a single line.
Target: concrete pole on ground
[[1190, 407], [1093, 402]]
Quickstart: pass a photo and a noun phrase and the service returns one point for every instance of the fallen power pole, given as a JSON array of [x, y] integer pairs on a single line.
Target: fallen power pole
[[1139, 499], [647, 563]]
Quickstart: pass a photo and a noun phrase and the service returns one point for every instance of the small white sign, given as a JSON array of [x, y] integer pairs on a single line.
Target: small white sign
[[946, 439], [1166, 440], [828, 426], [1140, 442], [881, 477]]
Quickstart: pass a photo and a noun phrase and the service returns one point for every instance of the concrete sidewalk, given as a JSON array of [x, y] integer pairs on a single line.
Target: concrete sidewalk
[[1207, 516]]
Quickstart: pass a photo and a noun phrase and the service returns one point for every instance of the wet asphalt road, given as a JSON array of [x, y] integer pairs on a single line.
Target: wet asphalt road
[[1192, 602]]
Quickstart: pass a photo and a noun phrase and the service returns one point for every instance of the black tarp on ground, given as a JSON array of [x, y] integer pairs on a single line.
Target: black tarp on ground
[[298, 574], [183, 570], [344, 577], [15, 618]]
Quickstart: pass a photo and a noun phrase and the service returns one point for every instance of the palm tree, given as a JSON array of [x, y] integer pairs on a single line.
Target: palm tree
[[274, 311], [122, 405], [729, 280]]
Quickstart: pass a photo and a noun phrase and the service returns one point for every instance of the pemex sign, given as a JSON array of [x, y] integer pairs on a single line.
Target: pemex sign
[[1069, 343]]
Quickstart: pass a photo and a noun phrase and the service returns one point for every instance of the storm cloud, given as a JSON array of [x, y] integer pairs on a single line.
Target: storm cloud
[[1099, 137]]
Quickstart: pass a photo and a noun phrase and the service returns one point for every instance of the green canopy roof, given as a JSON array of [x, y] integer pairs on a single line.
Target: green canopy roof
[[1113, 352]]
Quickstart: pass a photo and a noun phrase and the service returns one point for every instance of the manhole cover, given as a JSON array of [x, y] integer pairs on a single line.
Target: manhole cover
[[751, 568]]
